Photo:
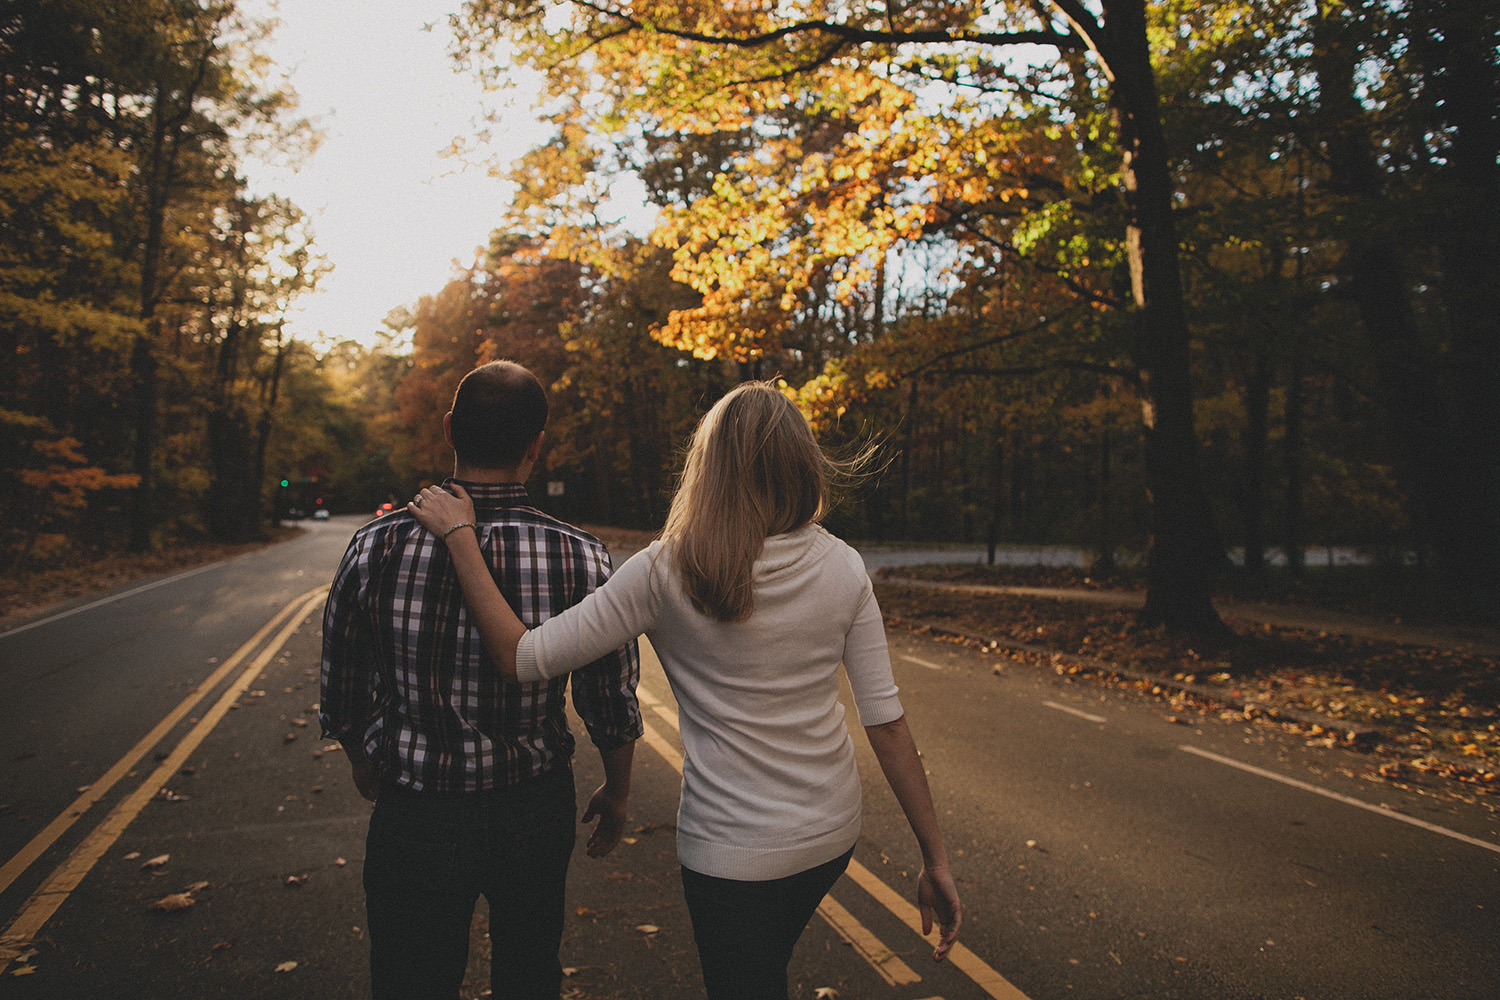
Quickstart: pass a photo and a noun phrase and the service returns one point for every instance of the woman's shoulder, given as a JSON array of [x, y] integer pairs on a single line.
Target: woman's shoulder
[[830, 550], [650, 565], [848, 553]]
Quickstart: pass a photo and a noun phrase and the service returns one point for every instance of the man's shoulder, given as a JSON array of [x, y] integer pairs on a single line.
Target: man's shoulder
[[548, 525], [385, 526], [371, 549]]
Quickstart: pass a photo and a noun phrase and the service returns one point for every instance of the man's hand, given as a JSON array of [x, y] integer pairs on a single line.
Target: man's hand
[[365, 778], [611, 813]]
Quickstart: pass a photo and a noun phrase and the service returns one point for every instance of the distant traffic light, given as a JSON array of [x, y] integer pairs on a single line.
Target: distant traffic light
[[285, 482]]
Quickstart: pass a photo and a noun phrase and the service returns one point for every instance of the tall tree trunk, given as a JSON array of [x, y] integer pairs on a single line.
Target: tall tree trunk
[[1252, 491], [255, 505], [1105, 561], [1294, 542], [144, 384], [997, 489], [1185, 543], [230, 507], [159, 170], [907, 458], [231, 503], [1378, 280], [1463, 43]]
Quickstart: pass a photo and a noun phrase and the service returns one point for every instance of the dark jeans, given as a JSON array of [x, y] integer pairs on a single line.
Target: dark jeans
[[746, 930], [427, 860]]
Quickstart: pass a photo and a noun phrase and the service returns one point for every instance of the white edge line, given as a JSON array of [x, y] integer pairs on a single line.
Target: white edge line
[[1074, 711], [110, 599], [1347, 800]]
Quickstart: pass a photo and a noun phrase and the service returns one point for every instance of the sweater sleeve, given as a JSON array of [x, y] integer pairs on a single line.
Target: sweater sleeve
[[624, 608], [867, 662]]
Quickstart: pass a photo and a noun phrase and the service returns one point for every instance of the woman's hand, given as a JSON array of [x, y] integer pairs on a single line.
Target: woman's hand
[[438, 510], [937, 897]]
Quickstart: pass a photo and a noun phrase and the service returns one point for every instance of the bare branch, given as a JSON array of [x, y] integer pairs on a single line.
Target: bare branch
[[1088, 30], [990, 342], [848, 33]]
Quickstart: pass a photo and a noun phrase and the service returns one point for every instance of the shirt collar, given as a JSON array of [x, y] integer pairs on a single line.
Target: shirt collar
[[493, 496]]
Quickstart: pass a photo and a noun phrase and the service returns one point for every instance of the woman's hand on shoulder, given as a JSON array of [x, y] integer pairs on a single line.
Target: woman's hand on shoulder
[[438, 510]]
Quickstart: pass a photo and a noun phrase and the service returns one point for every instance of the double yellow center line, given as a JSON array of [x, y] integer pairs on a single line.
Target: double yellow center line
[[43, 903]]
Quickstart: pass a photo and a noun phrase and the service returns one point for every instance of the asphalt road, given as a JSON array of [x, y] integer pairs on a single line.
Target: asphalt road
[[1103, 851]]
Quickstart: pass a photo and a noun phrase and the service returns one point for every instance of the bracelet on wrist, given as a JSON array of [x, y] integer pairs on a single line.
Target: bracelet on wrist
[[461, 524]]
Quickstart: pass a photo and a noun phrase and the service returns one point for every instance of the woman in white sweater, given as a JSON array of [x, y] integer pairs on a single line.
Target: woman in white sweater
[[751, 606]]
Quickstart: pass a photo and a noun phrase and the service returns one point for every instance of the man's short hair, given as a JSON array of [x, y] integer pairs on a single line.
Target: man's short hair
[[498, 410]]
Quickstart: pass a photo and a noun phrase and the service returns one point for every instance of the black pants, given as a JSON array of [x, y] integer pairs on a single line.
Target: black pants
[[746, 930], [427, 861]]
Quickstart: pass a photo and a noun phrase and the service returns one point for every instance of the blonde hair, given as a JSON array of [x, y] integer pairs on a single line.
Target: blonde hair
[[753, 469]]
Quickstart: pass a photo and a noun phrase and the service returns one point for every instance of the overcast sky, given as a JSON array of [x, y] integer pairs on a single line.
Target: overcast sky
[[390, 212]]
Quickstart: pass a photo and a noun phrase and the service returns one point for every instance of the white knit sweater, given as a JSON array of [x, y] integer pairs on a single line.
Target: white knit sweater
[[769, 784]]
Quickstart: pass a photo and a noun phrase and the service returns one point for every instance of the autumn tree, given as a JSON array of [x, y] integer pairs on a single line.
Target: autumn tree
[[620, 403], [1322, 149], [259, 260], [120, 137], [881, 78]]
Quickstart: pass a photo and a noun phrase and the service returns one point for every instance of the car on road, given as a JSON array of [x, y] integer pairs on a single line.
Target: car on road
[[321, 514]]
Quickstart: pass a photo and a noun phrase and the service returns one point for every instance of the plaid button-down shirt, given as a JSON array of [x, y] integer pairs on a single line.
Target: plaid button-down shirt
[[407, 681]]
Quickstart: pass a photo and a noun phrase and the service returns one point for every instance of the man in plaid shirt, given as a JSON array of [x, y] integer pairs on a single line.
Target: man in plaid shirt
[[471, 776]]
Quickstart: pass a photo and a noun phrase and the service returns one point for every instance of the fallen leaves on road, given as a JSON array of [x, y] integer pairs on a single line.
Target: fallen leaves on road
[[1438, 710], [286, 966], [24, 968], [174, 902], [155, 862]]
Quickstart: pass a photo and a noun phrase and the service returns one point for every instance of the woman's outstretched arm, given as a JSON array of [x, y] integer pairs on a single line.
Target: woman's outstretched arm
[[451, 517], [937, 895]]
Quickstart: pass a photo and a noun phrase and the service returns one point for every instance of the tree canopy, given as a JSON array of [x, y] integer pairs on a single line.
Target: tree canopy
[[1160, 279]]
